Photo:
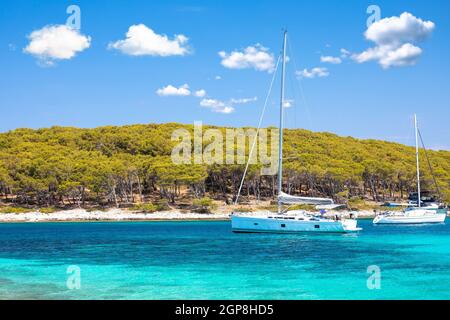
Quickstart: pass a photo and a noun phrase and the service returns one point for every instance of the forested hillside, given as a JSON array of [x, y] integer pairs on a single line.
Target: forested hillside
[[130, 164]]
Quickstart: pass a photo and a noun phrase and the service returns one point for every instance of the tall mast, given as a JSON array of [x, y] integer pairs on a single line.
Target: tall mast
[[417, 161], [280, 151]]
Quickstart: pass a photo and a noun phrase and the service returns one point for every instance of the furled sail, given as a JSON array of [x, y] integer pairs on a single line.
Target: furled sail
[[288, 199]]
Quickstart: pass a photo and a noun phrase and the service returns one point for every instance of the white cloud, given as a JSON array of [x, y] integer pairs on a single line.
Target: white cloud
[[182, 91], [388, 56], [220, 106], [218, 78], [398, 30], [217, 106], [256, 57], [170, 90], [313, 73], [330, 59], [56, 42], [345, 53], [200, 93], [212, 103], [395, 40], [225, 110], [244, 100], [143, 41]]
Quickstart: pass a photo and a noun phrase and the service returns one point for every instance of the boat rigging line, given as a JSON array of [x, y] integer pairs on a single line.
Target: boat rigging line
[[299, 82], [258, 129], [429, 165]]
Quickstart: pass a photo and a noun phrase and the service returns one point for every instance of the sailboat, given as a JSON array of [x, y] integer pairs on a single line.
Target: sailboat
[[416, 213], [295, 221]]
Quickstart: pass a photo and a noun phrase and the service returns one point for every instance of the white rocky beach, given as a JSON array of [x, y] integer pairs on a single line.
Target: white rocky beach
[[81, 215], [110, 215]]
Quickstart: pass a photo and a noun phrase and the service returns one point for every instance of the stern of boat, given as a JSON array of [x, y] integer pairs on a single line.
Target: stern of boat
[[350, 225]]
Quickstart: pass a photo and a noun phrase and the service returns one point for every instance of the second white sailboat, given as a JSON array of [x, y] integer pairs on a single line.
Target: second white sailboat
[[414, 214]]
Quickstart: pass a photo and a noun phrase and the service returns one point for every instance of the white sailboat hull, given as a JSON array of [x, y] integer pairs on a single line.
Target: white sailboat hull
[[266, 224], [410, 219]]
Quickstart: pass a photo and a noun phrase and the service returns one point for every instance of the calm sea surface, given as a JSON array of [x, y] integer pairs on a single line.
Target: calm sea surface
[[205, 260]]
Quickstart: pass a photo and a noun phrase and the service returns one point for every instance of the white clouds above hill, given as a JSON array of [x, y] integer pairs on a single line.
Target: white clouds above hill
[[313, 73], [56, 42], [396, 40], [170, 90], [256, 57], [330, 59], [142, 41]]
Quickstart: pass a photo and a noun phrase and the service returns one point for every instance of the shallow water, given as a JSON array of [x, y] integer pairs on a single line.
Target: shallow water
[[205, 260]]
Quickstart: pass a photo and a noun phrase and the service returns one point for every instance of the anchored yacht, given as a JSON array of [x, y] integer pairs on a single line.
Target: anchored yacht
[[412, 216], [417, 213], [291, 221]]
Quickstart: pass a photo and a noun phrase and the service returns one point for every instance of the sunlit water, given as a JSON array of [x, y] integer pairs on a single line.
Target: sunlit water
[[205, 260]]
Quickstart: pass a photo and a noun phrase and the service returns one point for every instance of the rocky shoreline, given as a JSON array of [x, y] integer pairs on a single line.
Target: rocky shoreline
[[81, 215]]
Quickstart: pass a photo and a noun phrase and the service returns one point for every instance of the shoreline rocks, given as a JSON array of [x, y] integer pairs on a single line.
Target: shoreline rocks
[[81, 215]]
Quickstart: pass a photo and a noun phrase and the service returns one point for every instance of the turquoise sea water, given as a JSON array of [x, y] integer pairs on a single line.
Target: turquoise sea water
[[205, 260]]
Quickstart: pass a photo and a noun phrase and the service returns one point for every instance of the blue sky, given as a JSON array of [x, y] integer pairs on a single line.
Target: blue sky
[[109, 86]]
